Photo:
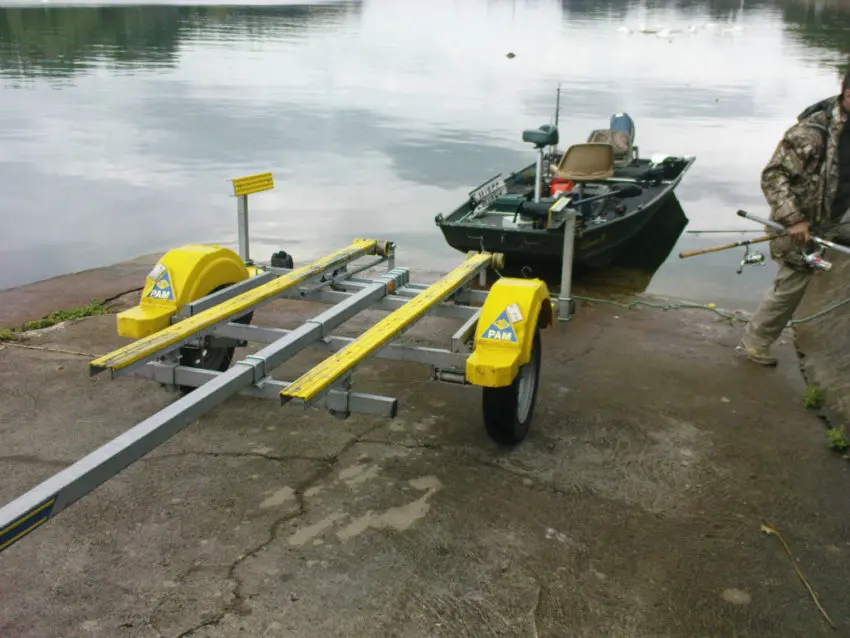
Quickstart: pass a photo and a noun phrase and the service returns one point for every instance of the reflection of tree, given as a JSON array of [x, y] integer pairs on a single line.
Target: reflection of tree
[[61, 42], [720, 10], [821, 24]]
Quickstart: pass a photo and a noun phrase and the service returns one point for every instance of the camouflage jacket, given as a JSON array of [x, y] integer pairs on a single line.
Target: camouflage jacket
[[801, 178]]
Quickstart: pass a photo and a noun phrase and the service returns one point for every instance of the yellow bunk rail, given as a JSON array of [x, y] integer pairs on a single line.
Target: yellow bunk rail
[[318, 380], [155, 343]]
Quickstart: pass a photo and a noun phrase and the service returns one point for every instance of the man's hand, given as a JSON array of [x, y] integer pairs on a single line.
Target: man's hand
[[800, 232]]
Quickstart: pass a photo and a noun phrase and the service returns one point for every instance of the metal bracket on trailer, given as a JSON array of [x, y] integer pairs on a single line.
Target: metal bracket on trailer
[[512, 309]]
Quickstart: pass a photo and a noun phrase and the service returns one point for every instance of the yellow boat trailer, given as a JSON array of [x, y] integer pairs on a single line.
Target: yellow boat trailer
[[196, 309]]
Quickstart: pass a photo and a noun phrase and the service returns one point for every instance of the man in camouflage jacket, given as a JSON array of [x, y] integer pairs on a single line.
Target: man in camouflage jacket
[[806, 183]]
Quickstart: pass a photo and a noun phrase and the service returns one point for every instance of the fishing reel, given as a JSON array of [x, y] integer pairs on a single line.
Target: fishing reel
[[816, 262], [750, 259]]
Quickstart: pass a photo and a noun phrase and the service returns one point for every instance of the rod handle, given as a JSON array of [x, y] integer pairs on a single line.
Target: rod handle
[[703, 251]]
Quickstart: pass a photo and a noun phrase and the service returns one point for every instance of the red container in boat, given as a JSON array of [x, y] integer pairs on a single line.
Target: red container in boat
[[560, 185]]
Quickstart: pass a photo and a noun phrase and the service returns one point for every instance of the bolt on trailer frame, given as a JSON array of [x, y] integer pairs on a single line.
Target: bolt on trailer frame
[[196, 307]]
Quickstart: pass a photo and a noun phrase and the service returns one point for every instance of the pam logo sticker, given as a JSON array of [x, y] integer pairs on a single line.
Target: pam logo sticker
[[162, 288], [500, 330]]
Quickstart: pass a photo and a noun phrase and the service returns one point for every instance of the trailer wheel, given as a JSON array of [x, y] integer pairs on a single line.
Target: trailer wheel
[[508, 410], [207, 357]]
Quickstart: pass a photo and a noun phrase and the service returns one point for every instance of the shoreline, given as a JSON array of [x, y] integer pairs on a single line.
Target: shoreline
[[36, 300], [820, 364]]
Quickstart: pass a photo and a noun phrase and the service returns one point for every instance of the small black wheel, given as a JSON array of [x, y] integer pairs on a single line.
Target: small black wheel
[[282, 259], [508, 410], [206, 356]]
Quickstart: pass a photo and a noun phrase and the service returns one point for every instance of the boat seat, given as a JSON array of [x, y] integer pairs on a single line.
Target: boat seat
[[586, 162], [624, 153], [542, 136]]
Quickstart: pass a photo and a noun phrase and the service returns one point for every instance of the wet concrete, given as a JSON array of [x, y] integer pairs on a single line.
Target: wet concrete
[[824, 343], [634, 508]]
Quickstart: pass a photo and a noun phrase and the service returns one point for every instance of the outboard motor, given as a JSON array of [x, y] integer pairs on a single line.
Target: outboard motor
[[621, 135], [623, 122]]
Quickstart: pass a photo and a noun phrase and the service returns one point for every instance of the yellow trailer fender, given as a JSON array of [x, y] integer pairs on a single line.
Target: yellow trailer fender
[[513, 310], [181, 276]]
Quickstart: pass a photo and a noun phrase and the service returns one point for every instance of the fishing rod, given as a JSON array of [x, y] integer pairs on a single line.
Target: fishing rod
[[814, 260], [728, 231], [557, 104], [714, 249], [825, 243], [554, 149], [749, 259]]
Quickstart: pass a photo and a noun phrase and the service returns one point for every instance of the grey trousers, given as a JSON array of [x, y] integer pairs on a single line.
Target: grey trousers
[[776, 309]]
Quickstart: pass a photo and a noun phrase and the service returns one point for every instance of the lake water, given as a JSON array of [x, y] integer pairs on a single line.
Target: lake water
[[121, 126]]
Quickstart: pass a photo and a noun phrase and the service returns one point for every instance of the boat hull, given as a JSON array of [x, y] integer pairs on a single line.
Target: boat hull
[[597, 245]]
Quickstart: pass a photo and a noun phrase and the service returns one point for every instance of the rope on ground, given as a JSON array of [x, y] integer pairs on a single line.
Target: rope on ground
[[826, 310], [769, 529], [663, 306], [678, 306], [17, 344], [711, 307]]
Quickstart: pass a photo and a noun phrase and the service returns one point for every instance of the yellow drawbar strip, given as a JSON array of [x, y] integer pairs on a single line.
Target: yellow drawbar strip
[[167, 336], [316, 380]]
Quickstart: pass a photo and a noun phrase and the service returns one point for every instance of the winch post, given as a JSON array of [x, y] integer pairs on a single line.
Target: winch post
[[565, 300], [242, 226], [242, 187]]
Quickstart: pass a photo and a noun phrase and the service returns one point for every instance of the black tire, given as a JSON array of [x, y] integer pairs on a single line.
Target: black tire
[[508, 410], [207, 357], [282, 259]]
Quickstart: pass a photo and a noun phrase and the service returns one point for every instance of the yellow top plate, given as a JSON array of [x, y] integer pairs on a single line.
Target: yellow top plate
[[252, 184]]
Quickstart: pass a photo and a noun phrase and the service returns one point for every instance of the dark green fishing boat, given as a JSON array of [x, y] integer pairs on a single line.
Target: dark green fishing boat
[[615, 192]]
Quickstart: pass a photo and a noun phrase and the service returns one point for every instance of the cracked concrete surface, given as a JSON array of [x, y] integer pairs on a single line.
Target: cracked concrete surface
[[633, 508]]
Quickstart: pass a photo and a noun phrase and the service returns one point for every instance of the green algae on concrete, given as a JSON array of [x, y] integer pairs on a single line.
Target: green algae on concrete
[[92, 309], [823, 342], [37, 300]]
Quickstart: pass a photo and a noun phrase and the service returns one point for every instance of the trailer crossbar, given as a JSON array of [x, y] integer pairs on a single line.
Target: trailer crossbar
[[153, 346], [337, 400], [437, 357], [314, 383]]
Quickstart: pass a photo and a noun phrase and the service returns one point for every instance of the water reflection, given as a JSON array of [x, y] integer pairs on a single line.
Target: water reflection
[[60, 42], [119, 126]]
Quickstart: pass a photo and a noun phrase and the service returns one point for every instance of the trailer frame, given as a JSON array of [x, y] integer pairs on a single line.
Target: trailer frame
[[504, 359]]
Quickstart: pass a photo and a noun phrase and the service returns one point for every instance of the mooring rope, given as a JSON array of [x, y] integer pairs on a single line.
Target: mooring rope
[[711, 307]]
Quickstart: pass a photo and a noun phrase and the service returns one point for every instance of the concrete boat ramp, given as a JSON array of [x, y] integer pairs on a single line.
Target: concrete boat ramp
[[640, 505]]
